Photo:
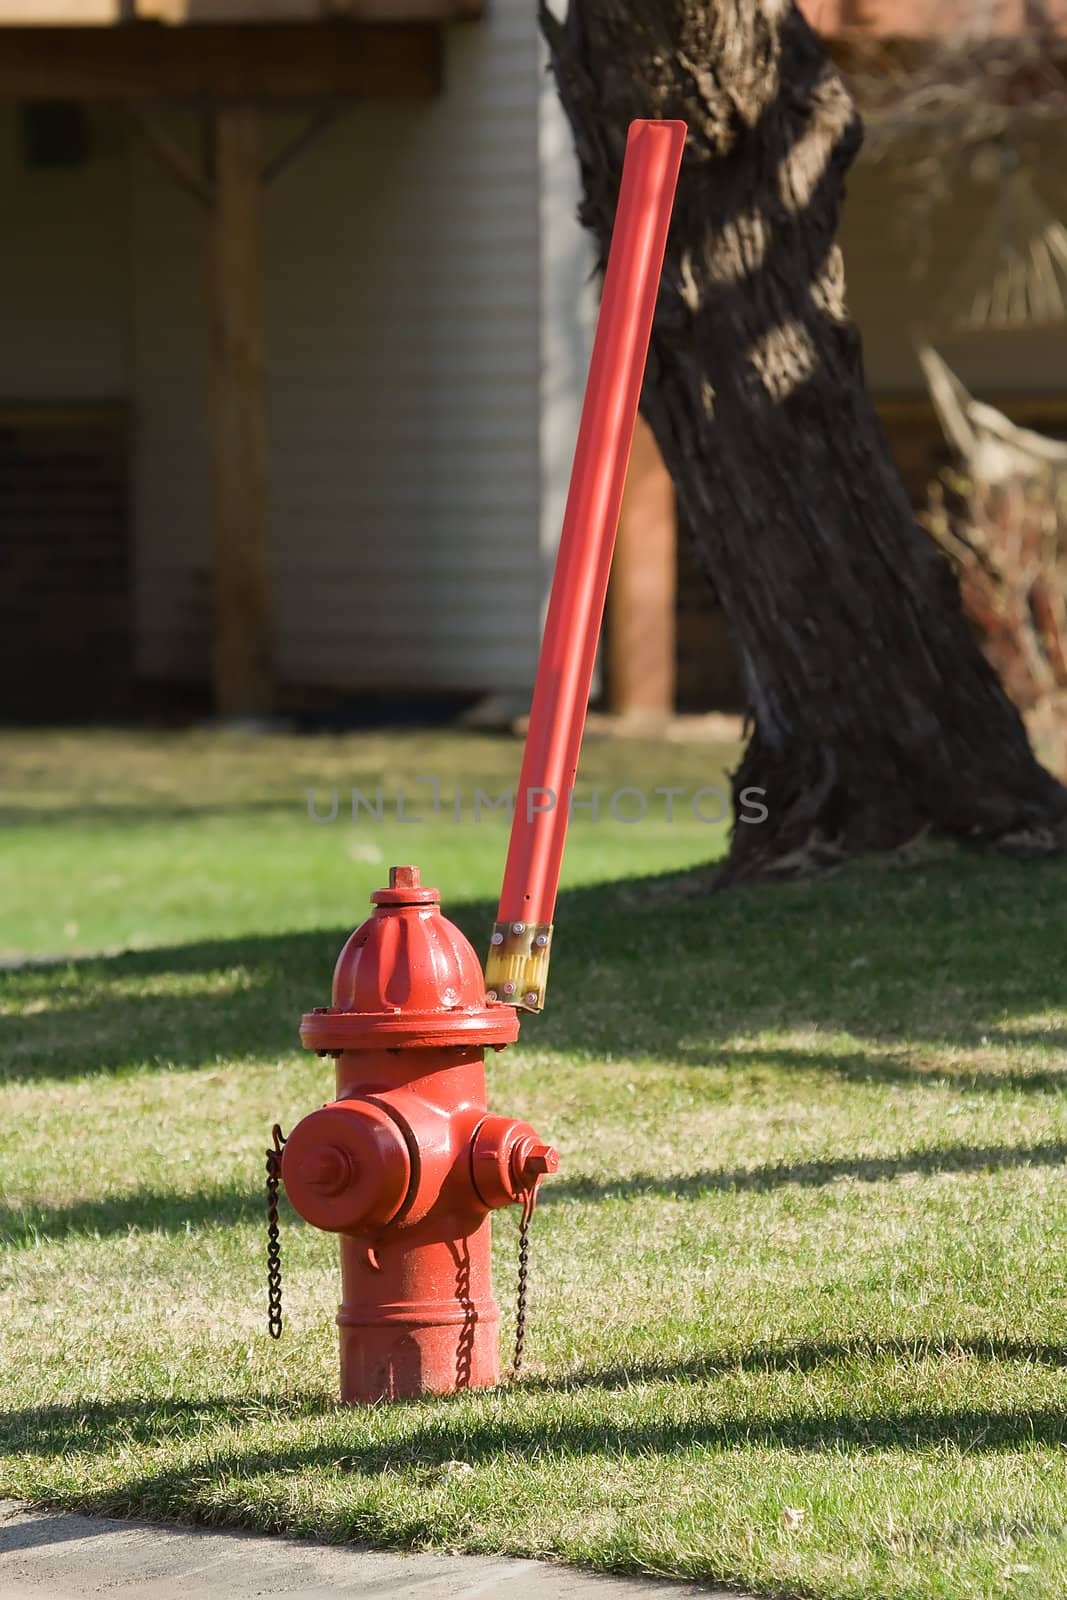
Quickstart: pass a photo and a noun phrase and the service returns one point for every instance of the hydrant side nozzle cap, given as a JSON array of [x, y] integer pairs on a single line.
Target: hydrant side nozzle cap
[[508, 1160]]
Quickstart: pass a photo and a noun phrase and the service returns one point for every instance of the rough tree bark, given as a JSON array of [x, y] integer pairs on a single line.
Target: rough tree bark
[[874, 714]]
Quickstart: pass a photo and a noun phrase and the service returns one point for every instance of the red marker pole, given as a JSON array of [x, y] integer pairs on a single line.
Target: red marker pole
[[517, 967]]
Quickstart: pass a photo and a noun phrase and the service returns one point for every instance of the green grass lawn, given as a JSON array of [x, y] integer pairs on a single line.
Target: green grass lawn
[[805, 1252]]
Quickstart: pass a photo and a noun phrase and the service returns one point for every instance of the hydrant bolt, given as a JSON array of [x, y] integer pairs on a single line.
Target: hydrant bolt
[[541, 1160], [328, 1169]]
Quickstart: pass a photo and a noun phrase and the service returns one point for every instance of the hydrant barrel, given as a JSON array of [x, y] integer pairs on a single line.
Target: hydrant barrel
[[405, 1164]]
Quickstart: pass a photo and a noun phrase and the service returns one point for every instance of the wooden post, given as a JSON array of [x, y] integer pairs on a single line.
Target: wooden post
[[242, 591], [641, 631]]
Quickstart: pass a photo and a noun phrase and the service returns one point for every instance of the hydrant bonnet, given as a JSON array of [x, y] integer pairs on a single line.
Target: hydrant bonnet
[[407, 976]]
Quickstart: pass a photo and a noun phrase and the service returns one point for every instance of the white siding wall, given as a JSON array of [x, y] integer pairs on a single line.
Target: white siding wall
[[64, 278], [403, 272]]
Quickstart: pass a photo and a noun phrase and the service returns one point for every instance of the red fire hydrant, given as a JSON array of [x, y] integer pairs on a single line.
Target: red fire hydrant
[[406, 1164]]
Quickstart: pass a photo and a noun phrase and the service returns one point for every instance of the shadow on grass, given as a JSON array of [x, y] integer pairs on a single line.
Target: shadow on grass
[[810, 1174], [160, 1211], [260, 988], [809, 1355], [103, 1424], [907, 962], [434, 1432], [92, 1425], [146, 1210], [899, 1067]]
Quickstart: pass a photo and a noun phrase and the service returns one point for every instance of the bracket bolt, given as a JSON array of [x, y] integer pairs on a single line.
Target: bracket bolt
[[518, 927], [531, 997], [509, 988], [541, 940], [498, 937]]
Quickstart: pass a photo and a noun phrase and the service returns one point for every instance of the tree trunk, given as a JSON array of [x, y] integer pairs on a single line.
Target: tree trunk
[[874, 714]]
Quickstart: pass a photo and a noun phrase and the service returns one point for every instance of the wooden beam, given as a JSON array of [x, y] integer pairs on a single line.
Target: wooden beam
[[243, 610], [320, 121], [170, 154], [641, 643], [110, 13], [59, 13], [338, 60]]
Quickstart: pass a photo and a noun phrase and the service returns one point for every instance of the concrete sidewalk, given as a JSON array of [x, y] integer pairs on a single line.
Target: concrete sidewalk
[[47, 1555]]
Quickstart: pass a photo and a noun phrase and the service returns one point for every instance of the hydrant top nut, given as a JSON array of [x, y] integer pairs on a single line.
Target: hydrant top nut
[[405, 889]]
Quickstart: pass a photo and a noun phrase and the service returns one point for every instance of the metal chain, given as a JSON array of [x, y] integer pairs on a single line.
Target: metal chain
[[274, 1252], [528, 1203]]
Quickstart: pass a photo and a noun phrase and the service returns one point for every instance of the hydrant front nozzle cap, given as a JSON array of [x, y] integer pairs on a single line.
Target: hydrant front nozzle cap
[[346, 1167]]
